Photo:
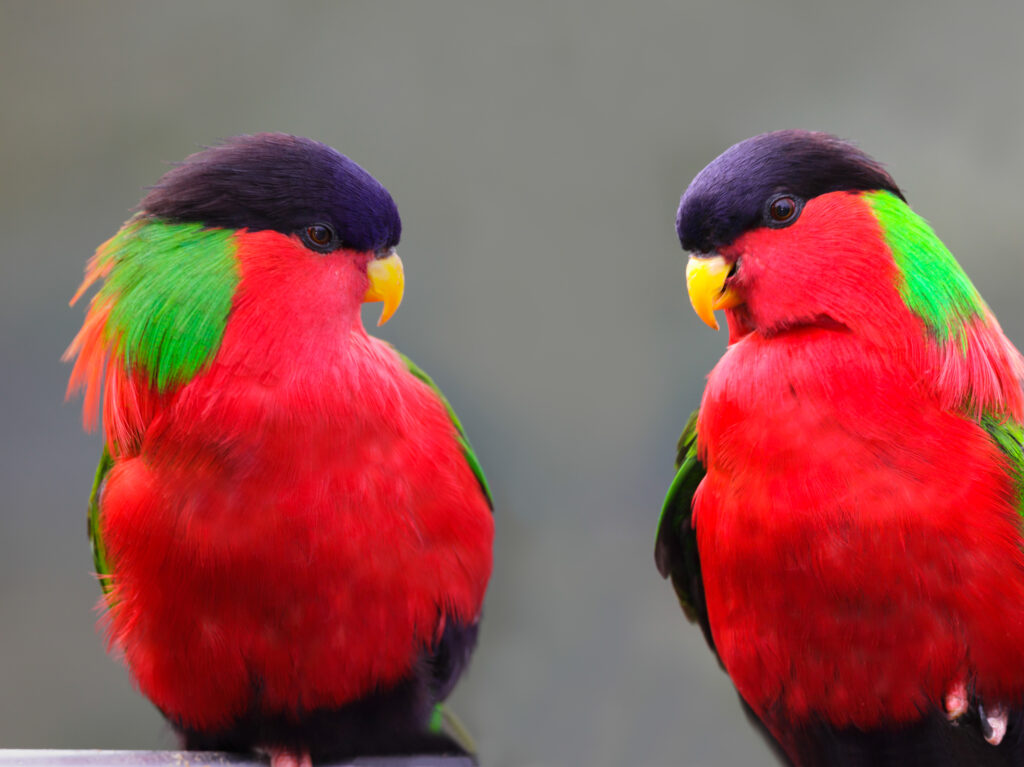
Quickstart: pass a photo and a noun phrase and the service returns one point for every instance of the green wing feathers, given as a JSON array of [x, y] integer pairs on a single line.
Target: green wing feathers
[[675, 548], [676, 511], [1009, 436], [99, 553], [460, 433]]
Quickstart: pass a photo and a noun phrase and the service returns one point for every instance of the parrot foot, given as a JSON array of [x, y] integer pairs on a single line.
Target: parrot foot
[[993, 723], [280, 757], [957, 702]]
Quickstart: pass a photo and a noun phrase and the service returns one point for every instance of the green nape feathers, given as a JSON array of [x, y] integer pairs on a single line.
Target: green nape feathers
[[171, 287], [163, 307], [933, 285], [971, 366]]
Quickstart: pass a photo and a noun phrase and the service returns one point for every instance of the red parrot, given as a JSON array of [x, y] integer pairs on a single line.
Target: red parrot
[[292, 532], [846, 520]]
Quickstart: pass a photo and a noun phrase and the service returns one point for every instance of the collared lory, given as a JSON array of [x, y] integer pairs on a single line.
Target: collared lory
[[846, 520], [291, 529]]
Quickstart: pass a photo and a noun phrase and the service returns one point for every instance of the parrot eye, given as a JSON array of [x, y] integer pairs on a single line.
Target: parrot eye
[[318, 237], [783, 210]]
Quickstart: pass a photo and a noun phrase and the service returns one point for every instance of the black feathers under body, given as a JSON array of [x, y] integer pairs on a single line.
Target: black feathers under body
[[390, 721], [931, 741]]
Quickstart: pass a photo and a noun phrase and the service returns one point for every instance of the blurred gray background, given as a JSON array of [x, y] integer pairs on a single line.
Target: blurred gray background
[[537, 151]]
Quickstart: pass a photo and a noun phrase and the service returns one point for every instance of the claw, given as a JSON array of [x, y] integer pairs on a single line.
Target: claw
[[280, 757], [993, 723], [956, 702]]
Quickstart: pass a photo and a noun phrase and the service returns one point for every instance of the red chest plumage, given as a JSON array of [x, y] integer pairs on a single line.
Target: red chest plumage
[[299, 521], [859, 544]]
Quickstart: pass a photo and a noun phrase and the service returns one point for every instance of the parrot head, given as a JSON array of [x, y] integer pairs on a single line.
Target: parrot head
[[768, 226], [302, 194], [795, 230], [277, 235]]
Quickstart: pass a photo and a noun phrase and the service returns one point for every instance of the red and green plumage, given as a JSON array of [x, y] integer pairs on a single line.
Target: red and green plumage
[[159, 317], [854, 544], [293, 531]]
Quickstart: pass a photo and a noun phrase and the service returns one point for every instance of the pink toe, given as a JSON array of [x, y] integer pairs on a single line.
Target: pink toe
[[280, 757]]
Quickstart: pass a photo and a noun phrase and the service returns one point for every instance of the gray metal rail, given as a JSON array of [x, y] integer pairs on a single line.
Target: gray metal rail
[[87, 758]]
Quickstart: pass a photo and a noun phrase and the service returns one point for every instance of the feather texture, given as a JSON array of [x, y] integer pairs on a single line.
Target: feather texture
[[157, 321], [974, 366]]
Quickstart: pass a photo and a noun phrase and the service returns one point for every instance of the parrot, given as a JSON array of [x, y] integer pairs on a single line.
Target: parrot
[[291, 530], [846, 522]]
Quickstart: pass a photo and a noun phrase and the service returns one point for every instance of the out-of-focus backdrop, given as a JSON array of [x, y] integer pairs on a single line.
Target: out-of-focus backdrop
[[537, 152]]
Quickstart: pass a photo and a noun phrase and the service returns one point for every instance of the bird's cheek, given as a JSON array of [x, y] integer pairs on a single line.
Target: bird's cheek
[[343, 276]]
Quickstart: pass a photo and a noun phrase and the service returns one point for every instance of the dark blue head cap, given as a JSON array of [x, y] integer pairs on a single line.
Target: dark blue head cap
[[731, 195], [278, 182]]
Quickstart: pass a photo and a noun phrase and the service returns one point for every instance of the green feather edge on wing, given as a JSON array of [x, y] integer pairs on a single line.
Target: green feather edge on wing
[[1009, 436], [443, 720], [99, 553], [460, 433], [675, 548]]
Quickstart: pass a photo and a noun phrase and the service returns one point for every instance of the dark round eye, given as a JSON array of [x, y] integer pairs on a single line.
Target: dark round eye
[[320, 234], [783, 210]]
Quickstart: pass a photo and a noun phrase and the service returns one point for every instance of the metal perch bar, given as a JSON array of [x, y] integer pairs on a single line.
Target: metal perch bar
[[95, 758]]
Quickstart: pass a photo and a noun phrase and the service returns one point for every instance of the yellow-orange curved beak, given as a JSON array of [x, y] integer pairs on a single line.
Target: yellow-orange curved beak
[[387, 284], [705, 282]]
